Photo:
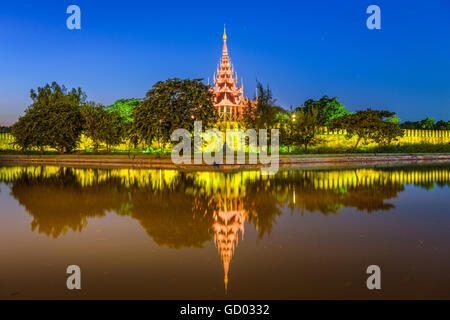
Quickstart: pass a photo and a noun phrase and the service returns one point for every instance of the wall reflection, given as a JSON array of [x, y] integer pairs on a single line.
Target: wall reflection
[[189, 209]]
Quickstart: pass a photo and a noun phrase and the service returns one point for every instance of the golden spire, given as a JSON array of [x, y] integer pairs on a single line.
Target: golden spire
[[225, 49]]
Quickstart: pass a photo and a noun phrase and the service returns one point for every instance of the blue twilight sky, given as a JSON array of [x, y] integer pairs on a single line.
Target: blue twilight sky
[[302, 49]]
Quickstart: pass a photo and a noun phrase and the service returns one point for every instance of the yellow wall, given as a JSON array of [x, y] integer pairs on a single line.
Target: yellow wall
[[337, 138], [330, 139]]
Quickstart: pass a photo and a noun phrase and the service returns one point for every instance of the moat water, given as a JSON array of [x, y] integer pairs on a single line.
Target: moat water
[[167, 234]]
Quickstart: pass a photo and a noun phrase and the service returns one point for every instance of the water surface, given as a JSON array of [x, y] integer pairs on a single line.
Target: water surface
[[167, 234]]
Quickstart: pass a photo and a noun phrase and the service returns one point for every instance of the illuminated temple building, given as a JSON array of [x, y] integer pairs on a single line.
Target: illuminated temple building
[[229, 99]]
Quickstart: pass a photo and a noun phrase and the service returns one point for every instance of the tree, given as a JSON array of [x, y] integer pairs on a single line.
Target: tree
[[173, 104], [328, 109], [442, 125], [115, 128], [54, 119], [427, 124], [94, 123], [60, 108], [249, 115], [286, 128], [263, 114], [27, 130], [103, 126], [306, 125], [125, 107], [409, 125], [387, 132], [66, 125], [368, 125]]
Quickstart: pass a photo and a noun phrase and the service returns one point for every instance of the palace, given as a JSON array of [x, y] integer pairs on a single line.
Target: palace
[[228, 97]]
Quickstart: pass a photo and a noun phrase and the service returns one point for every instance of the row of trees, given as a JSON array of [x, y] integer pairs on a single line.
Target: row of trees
[[426, 124], [266, 113], [303, 125], [57, 117]]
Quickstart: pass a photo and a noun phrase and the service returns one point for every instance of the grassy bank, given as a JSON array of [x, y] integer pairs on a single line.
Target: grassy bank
[[394, 149]]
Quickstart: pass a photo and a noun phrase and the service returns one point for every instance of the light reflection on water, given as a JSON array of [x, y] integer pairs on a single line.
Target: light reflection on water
[[180, 210]]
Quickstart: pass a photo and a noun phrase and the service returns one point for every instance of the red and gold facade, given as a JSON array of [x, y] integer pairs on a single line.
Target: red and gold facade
[[228, 97]]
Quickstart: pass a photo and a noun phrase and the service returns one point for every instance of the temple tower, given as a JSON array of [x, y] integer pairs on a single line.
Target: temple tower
[[228, 97]]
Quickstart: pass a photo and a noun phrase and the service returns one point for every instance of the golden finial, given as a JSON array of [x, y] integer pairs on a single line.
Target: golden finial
[[224, 33]]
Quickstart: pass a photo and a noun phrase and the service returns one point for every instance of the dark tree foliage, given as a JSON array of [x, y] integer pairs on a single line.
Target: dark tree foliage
[[5, 129], [387, 133], [368, 125], [442, 125], [306, 127], [300, 128], [54, 119], [103, 126], [426, 124], [286, 127], [408, 125], [249, 115], [116, 129], [170, 105], [28, 130], [93, 122], [263, 115]]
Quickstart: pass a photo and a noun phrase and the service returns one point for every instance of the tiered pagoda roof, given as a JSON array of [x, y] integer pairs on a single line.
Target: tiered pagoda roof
[[228, 97]]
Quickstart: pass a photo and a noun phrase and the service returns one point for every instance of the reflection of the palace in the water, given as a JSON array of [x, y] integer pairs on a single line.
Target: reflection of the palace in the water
[[187, 209]]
